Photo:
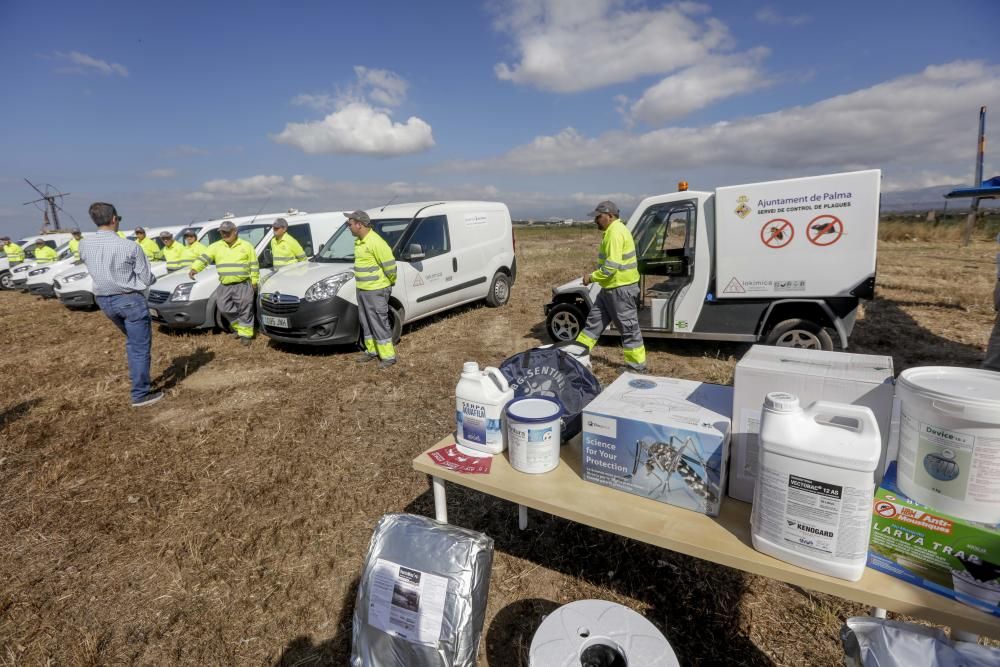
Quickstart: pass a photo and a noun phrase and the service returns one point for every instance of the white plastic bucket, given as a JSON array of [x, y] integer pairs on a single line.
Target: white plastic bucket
[[533, 434], [949, 440]]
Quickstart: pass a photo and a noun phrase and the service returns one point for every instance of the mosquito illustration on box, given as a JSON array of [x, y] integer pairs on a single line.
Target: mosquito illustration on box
[[663, 460]]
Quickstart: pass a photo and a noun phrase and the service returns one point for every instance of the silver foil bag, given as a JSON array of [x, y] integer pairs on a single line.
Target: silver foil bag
[[422, 595], [878, 642]]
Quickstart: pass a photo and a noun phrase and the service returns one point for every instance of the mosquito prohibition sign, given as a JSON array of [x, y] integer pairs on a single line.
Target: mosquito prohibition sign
[[825, 230], [777, 233]]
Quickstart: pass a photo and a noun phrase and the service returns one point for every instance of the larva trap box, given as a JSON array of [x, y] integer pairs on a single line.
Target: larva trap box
[[661, 438], [956, 558]]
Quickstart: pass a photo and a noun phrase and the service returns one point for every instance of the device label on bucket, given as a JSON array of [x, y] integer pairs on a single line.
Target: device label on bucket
[[407, 603], [815, 517], [955, 464]]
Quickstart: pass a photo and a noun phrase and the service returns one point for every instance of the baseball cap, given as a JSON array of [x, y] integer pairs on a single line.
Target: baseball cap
[[280, 222], [606, 206], [140, 229], [75, 230], [166, 235], [360, 216], [40, 241]]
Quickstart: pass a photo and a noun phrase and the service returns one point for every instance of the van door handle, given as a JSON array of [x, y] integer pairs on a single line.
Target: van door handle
[[454, 264]]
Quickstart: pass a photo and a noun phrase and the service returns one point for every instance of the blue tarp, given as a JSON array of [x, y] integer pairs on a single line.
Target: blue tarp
[[989, 188]]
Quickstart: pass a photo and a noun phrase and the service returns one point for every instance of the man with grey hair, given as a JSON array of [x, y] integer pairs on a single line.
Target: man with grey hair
[[121, 275], [374, 276], [239, 273]]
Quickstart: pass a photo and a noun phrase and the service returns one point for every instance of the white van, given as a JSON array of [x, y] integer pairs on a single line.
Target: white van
[[58, 242], [6, 277], [178, 302], [447, 254], [74, 287]]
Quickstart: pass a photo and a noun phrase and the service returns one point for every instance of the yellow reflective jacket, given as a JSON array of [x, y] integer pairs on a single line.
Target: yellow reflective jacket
[[195, 250], [177, 256], [15, 253], [74, 247], [286, 251], [374, 265], [150, 248], [45, 255], [617, 263], [236, 263]]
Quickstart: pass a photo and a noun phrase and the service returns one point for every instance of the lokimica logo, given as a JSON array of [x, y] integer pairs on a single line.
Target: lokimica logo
[[605, 426]]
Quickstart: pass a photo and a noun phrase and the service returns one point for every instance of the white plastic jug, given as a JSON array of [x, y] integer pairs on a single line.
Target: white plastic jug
[[812, 503], [480, 397]]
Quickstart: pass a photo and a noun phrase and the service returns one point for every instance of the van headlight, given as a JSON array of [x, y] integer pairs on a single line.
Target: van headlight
[[76, 276], [38, 272], [182, 292], [328, 287], [22, 269]]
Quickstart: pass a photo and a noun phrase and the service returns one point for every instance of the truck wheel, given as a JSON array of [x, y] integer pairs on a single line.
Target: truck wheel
[[6, 281], [499, 293], [800, 333], [564, 322]]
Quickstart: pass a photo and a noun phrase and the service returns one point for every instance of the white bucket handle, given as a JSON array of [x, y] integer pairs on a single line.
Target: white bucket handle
[[949, 408], [864, 416], [498, 379]]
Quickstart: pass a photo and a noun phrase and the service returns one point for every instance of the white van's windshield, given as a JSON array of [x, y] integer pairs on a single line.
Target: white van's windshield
[[252, 234], [340, 247]]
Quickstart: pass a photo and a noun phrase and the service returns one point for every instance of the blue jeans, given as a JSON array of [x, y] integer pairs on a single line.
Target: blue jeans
[[131, 315]]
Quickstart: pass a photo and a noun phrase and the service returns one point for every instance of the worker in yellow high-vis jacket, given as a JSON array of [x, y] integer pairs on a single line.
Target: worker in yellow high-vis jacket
[[14, 252], [374, 276], [74, 243], [174, 253], [618, 275], [285, 250], [192, 246], [239, 274], [148, 245], [43, 253]]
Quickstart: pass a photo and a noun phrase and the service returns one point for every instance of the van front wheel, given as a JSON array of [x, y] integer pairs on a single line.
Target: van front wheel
[[800, 333], [6, 281], [499, 293]]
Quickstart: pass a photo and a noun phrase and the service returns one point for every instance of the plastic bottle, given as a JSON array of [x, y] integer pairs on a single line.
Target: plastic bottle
[[813, 499], [480, 398]]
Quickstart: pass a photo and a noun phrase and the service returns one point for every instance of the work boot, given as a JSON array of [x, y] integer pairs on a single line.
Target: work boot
[[641, 369], [245, 341], [386, 363], [364, 356]]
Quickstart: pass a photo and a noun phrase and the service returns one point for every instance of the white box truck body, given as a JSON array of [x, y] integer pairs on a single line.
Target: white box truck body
[[781, 262]]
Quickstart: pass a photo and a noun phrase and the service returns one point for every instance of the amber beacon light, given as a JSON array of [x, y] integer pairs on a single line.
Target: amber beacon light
[[682, 186]]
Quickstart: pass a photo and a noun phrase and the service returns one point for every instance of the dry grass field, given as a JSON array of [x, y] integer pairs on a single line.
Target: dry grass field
[[227, 525]]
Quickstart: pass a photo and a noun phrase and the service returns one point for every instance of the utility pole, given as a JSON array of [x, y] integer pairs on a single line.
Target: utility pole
[[970, 221]]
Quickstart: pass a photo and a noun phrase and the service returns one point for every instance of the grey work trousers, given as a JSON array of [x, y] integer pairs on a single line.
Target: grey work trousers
[[992, 360], [235, 302], [620, 304], [373, 311]]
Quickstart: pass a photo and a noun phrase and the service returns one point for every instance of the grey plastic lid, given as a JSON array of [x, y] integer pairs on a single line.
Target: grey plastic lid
[[973, 386]]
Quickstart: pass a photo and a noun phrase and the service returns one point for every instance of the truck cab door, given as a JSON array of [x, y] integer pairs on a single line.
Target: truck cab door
[[664, 241], [430, 275]]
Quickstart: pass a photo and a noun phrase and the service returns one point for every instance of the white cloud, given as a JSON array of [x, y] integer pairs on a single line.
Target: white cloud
[[921, 179], [82, 64], [382, 87], [573, 45], [162, 173], [771, 16], [318, 101], [915, 119], [359, 128], [699, 86]]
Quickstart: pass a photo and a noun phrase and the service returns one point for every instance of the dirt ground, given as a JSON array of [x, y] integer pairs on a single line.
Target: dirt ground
[[228, 524]]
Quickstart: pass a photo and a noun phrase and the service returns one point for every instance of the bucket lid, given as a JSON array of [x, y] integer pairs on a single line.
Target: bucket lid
[[532, 409], [973, 386]]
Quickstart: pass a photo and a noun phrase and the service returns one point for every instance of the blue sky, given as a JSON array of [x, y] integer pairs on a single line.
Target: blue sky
[[184, 110]]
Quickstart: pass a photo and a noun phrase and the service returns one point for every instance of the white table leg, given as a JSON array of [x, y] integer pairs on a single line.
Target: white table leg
[[440, 500], [963, 636], [878, 612], [522, 517]]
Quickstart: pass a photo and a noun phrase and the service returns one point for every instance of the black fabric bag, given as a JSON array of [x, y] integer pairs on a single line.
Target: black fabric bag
[[549, 372]]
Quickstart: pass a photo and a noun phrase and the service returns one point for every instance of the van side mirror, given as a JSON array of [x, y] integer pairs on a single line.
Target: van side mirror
[[414, 252], [266, 259]]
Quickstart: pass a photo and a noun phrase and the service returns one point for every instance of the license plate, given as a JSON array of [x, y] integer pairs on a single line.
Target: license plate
[[281, 322], [153, 312]]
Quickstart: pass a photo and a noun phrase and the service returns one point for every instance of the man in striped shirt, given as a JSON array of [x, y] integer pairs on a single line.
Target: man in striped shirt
[[121, 275]]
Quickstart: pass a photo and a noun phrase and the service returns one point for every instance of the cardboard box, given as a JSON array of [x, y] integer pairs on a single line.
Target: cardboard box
[[661, 438], [812, 375], [956, 558]]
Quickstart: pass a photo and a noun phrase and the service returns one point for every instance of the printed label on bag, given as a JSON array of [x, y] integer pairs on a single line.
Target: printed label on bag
[[406, 603]]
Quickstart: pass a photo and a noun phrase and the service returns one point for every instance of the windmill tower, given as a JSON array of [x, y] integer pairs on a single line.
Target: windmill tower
[[50, 204]]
